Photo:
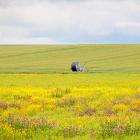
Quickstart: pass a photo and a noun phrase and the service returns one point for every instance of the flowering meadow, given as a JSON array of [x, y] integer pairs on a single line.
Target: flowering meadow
[[76, 106]]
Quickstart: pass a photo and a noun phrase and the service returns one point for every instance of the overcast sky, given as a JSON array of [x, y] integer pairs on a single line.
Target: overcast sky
[[69, 21]]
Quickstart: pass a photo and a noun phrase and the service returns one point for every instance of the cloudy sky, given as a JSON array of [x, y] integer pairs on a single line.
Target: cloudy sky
[[69, 21]]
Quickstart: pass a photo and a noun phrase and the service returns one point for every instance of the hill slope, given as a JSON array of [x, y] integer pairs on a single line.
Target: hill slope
[[121, 58]]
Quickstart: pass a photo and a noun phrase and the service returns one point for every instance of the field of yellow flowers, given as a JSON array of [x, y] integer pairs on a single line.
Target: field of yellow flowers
[[75, 106]]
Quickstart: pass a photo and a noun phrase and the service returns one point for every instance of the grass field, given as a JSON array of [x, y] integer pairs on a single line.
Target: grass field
[[69, 106], [118, 58], [41, 99]]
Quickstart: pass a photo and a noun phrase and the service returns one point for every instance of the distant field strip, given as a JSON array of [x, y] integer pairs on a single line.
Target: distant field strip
[[112, 58]]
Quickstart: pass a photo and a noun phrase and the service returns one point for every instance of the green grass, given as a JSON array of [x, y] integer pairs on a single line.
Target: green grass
[[112, 58]]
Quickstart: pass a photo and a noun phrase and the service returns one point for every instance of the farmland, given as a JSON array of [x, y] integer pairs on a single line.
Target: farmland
[[41, 99], [112, 58]]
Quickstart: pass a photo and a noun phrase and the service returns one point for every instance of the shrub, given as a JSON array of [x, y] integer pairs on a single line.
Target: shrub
[[57, 93], [14, 103], [17, 97], [125, 101], [136, 109], [60, 92], [87, 111], [67, 91], [66, 102], [3, 105], [70, 131], [21, 122], [108, 111], [120, 129]]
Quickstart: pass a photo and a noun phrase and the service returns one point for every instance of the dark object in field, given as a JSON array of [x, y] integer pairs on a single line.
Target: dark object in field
[[76, 66]]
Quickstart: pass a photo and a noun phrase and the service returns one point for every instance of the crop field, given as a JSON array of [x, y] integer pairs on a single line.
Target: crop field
[[40, 98], [70, 106], [100, 58]]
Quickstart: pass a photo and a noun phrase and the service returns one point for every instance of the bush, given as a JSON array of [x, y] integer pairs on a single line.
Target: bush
[[60, 92], [66, 102], [3, 105], [87, 111], [70, 131]]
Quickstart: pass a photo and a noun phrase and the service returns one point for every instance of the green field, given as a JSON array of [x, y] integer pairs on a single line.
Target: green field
[[103, 104], [113, 58]]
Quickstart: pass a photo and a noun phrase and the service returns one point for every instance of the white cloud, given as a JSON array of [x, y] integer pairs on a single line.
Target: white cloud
[[21, 40], [129, 28], [40, 18]]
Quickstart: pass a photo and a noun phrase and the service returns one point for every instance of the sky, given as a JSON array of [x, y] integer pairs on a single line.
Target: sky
[[69, 21]]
